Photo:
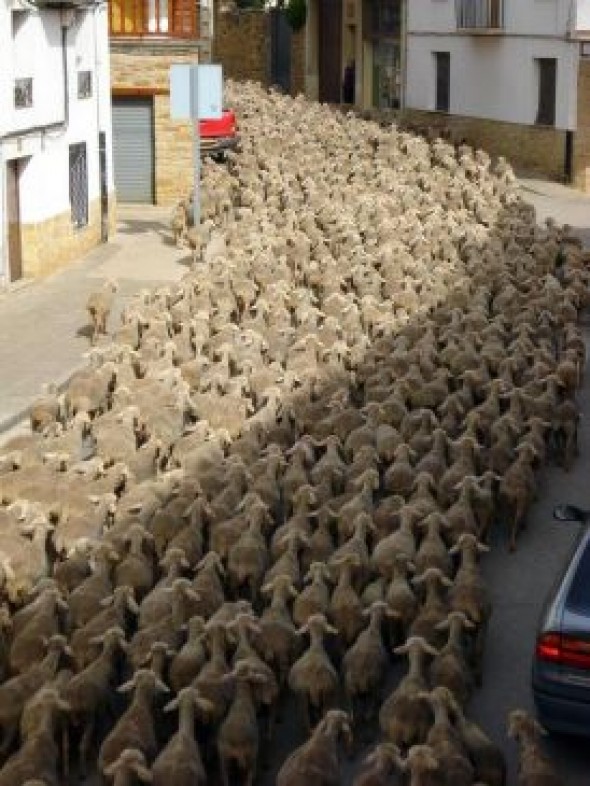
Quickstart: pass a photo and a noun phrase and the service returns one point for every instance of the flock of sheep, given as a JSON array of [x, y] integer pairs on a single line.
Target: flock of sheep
[[277, 477]]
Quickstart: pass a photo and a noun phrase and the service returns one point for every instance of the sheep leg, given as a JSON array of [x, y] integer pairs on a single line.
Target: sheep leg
[[85, 742], [9, 738], [65, 751], [224, 768]]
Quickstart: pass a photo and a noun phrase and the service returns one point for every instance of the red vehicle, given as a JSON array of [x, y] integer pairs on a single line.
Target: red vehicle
[[217, 136]]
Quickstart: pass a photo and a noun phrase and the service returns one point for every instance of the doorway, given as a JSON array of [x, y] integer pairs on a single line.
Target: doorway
[[15, 260], [330, 51], [280, 50]]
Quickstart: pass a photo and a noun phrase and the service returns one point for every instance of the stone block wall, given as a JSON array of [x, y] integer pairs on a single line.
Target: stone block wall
[[242, 45], [532, 150], [581, 162], [143, 69], [51, 245]]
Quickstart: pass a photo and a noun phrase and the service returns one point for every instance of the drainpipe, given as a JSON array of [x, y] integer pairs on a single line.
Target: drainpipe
[[404, 55], [4, 223]]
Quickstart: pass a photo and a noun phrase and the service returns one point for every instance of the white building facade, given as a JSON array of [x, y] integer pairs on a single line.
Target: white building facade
[[505, 73], [56, 186]]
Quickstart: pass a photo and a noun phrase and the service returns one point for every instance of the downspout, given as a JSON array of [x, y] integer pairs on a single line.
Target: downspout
[[404, 56], [4, 224]]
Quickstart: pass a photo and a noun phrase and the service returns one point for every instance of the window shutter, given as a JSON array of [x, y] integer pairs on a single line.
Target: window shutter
[[184, 17]]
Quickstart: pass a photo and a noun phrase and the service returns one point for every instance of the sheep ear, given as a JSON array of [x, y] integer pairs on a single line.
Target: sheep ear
[[127, 687], [107, 601], [143, 773], [172, 705]]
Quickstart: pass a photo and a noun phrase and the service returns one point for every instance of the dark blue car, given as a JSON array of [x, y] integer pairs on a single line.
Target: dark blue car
[[561, 664]]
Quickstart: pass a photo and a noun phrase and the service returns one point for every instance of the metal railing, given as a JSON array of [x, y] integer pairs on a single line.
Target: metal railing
[[153, 18], [480, 14]]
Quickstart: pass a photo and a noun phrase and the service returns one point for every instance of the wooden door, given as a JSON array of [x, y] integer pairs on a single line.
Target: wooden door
[[330, 50], [15, 264]]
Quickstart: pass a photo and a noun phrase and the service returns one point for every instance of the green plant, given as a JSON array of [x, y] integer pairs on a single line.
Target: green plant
[[296, 12]]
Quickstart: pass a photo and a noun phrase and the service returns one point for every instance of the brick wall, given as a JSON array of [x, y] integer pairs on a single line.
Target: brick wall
[[581, 163], [144, 69], [533, 150]]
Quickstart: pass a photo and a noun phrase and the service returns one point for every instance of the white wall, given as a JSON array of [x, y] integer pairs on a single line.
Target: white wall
[[36, 50], [495, 76], [521, 17], [582, 21]]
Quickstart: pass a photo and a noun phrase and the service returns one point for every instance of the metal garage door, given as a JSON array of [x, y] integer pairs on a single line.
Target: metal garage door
[[133, 149]]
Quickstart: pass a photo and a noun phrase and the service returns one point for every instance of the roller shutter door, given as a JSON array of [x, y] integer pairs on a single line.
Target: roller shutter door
[[133, 149]]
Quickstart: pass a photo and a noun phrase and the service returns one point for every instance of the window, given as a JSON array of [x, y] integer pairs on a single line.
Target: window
[[23, 93], [84, 84], [176, 18], [547, 80], [443, 81], [79, 185]]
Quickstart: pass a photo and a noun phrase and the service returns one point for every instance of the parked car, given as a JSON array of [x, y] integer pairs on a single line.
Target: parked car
[[561, 663], [217, 136]]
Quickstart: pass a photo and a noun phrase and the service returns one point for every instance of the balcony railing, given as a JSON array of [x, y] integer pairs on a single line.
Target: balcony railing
[[153, 18], [480, 15]]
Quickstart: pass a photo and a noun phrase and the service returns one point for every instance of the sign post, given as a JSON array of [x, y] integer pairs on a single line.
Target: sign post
[[196, 93], [196, 133]]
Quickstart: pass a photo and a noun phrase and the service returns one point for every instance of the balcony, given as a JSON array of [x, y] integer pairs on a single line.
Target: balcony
[[480, 17], [153, 19]]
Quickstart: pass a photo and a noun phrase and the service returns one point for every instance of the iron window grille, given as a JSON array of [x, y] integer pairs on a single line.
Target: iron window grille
[[23, 93], [79, 185], [84, 84]]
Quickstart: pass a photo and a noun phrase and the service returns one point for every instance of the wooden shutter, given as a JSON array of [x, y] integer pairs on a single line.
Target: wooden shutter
[[183, 16]]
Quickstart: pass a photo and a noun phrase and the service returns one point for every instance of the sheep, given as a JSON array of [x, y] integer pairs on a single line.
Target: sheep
[[534, 767], [135, 570], [346, 608], [238, 739], [404, 716], [99, 305], [446, 744], [17, 690], [38, 754], [423, 767], [88, 693], [487, 758], [450, 667], [313, 676], [180, 760], [28, 645], [191, 657], [315, 598], [318, 759], [46, 410], [84, 602], [435, 607], [135, 728], [277, 641], [379, 766], [364, 665]]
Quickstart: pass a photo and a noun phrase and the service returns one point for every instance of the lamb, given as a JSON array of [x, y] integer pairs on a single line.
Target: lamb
[[191, 657], [28, 645], [446, 744], [135, 728], [277, 641], [450, 667], [535, 767], [318, 760]]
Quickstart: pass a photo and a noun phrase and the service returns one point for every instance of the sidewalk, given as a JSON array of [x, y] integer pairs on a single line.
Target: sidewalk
[[40, 321], [563, 203]]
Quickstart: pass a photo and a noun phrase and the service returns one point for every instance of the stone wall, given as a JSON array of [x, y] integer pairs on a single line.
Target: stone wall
[[143, 69], [581, 162], [242, 45], [532, 150], [53, 244]]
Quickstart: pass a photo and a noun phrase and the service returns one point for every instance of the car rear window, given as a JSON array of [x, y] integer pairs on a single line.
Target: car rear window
[[578, 597]]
